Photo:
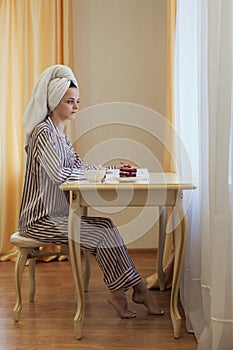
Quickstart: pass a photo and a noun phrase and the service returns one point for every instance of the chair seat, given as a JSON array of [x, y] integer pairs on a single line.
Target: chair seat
[[26, 242]]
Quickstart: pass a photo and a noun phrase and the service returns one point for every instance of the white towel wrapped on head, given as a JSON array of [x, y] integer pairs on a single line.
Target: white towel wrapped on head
[[47, 93], [56, 90]]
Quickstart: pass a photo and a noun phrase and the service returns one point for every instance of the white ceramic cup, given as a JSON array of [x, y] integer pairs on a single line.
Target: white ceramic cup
[[94, 175]]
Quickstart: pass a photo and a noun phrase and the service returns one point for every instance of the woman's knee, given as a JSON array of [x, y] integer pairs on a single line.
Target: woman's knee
[[109, 222], [105, 222]]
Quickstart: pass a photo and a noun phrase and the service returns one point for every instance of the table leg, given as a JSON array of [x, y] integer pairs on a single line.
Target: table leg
[[75, 259], [161, 243], [87, 273], [180, 232]]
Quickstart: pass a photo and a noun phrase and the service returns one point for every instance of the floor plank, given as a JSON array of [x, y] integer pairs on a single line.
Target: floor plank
[[48, 322]]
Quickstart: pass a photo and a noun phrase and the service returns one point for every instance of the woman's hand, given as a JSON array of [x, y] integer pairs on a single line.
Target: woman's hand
[[101, 167]]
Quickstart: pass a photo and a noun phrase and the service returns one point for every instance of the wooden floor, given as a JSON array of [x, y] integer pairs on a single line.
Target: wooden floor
[[48, 322]]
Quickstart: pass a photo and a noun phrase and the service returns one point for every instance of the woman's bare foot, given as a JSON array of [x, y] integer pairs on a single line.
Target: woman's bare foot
[[118, 300], [141, 295]]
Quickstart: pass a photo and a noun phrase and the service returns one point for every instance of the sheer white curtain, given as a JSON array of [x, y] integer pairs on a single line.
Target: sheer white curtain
[[204, 122]]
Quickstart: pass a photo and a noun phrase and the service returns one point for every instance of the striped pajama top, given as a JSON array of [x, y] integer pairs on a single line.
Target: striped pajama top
[[51, 161]]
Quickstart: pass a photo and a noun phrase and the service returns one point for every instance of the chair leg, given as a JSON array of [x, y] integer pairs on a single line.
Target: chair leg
[[32, 280], [19, 267], [87, 273]]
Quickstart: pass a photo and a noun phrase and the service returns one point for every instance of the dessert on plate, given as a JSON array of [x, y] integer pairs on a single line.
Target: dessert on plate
[[127, 170]]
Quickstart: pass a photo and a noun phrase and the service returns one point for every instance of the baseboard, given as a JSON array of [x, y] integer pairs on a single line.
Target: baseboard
[[143, 250]]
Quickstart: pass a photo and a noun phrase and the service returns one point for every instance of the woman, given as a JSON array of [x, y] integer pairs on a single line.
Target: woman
[[52, 160]]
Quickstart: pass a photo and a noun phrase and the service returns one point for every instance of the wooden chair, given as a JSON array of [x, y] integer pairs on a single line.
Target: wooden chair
[[29, 249]]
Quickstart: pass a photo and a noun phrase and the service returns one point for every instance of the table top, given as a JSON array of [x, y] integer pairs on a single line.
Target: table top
[[145, 180]]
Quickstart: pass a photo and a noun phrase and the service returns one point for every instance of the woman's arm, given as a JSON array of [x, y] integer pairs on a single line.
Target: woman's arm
[[79, 165], [59, 163]]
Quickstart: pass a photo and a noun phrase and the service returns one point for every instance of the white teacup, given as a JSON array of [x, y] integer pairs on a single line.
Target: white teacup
[[94, 175]]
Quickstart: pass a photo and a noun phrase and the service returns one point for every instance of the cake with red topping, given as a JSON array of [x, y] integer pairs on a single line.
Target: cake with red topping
[[126, 170]]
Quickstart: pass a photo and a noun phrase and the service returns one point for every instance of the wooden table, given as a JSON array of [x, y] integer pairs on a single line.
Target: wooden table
[[159, 190]]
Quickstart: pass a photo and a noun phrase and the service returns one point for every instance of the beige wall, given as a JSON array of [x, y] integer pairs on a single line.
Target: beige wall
[[119, 48]]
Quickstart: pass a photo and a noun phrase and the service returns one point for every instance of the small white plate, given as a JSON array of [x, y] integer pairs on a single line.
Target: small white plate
[[128, 179]]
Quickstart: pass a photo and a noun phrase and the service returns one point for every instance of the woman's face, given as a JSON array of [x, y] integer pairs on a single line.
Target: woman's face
[[68, 106]]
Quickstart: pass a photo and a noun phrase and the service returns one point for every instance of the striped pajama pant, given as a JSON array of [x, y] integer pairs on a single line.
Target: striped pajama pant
[[100, 237]]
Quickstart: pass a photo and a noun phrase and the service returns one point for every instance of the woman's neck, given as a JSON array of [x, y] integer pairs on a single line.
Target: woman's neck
[[60, 124]]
